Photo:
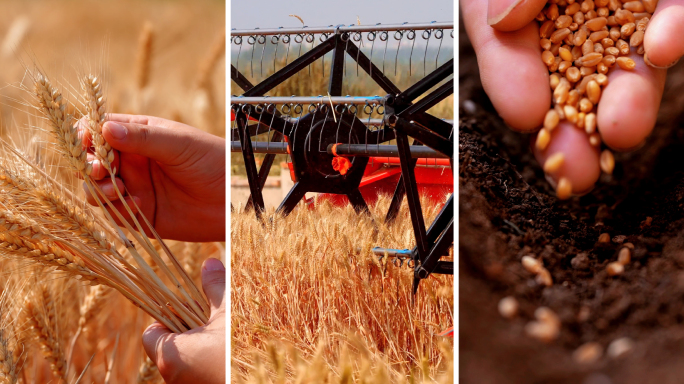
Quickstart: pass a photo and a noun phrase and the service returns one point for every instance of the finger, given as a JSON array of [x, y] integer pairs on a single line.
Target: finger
[[154, 339], [159, 143], [520, 92], [580, 163], [511, 15], [664, 42], [214, 283], [629, 105], [107, 188]]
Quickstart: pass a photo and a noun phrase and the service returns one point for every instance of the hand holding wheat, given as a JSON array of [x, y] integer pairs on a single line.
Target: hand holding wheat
[[174, 172], [196, 356], [505, 31]]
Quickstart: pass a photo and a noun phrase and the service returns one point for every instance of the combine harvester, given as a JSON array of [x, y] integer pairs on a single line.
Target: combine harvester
[[350, 148]]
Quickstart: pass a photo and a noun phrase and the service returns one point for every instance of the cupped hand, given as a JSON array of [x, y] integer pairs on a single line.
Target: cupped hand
[[198, 355], [505, 37], [174, 173]]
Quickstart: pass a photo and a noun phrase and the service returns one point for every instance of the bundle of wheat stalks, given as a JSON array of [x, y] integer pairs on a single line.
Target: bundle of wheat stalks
[[311, 304], [49, 233]]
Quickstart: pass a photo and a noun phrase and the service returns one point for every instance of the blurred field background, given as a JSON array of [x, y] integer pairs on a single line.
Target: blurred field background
[[159, 58], [65, 36]]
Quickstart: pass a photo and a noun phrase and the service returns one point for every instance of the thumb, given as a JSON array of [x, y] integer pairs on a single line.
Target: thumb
[[511, 15], [214, 283], [158, 143], [155, 337]]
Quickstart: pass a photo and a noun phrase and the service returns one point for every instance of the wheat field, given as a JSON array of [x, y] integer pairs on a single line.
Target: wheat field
[[310, 304]]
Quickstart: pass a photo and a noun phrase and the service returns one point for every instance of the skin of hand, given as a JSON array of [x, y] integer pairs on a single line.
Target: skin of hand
[[198, 355], [173, 172], [504, 32]]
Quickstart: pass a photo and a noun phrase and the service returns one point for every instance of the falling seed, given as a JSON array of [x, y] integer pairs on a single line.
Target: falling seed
[[590, 123], [508, 307], [615, 268], [624, 256], [583, 314], [551, 120], [543, 139], [607, 162], [619, 347], [604, 238], [564, 188], [595, 139], [554, 162], [547, 315], [588, 353], [531, 264]]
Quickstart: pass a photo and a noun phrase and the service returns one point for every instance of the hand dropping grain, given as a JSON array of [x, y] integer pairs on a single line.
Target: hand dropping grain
[[581, 42]]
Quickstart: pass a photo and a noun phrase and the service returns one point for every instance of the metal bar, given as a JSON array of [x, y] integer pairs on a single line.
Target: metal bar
[[379, 251], [342, 29], [265, 166], [250, 164], [442, 219], [367, 65], [337, 68], [262, 147], [292, 199], [289, 70], [434, 124], [424, 135], [277, 123], [442, 244], [356, 100], [240, 79], [439, 94], [412, 194], [444, 267], [399, 191], [358, 202], [383, 151], [429, 81]]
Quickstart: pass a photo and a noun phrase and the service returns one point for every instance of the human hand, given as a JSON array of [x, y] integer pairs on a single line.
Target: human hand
[[175, 174], [198, 355], [504, 32]]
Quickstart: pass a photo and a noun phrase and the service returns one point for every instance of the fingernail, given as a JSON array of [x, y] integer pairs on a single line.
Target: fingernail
[[117, 130], [212, 264], [498, 10], [648, 62]]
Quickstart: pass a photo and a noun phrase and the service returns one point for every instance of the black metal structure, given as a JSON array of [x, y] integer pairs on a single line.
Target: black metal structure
[[333, 121]]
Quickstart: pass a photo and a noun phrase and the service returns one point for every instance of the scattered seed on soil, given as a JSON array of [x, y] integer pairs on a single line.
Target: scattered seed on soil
[[604, 238], [544, 277], [588, 353], [619, 347], [615, 268], [624, 256], [508, 307], [542, 331], [531, 264]]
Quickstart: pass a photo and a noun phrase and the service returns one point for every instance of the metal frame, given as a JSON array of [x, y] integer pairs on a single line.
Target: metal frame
[[403, 118]]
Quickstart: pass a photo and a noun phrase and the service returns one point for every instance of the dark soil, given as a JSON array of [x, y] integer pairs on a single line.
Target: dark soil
[[508, 210]]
